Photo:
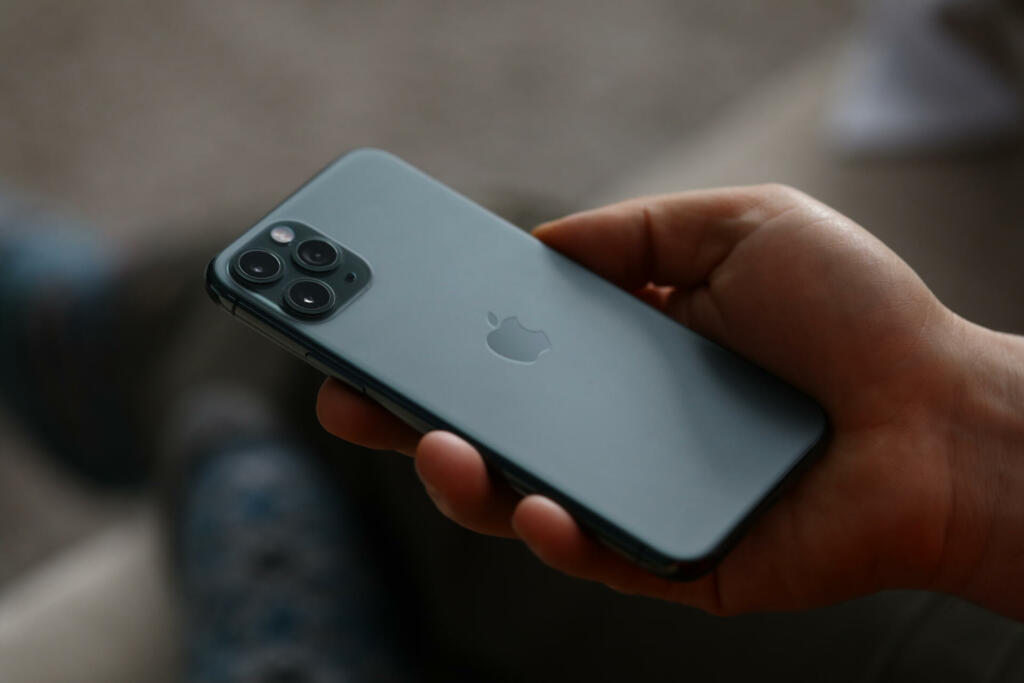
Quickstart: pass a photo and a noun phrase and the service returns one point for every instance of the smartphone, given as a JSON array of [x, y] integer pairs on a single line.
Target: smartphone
[[661, 443]]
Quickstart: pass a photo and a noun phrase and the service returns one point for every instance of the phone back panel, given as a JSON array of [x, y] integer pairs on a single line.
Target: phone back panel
[[637, 423]]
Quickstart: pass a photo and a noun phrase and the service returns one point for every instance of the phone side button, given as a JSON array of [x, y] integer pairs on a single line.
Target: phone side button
[[270, 333], [322, 366], [401, 413], [517, 484]]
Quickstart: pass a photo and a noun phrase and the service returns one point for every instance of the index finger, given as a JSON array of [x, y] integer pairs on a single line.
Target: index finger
[[355, 417]]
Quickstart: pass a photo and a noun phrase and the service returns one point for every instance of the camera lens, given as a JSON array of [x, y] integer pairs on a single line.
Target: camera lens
[[317, 254], [309, 297], [259, 266]]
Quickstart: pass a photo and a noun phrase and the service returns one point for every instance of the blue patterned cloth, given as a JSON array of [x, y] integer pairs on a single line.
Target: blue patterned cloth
[[278, 584]]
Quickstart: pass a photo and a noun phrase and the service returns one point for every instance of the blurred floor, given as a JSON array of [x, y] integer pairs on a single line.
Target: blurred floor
[[155, 113]]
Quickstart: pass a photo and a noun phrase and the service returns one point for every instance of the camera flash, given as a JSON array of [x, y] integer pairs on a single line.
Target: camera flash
[[282, 234]]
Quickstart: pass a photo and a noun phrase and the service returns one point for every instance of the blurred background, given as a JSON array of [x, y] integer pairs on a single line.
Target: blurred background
[[127, 111], [168, 128]]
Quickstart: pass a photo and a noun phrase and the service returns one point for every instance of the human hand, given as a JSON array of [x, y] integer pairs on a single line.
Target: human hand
[[899, 499]]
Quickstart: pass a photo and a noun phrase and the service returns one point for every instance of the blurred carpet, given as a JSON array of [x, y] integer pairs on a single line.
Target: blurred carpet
[[155, 113]]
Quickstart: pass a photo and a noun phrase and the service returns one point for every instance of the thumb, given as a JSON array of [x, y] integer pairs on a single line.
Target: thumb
[[669, 240]]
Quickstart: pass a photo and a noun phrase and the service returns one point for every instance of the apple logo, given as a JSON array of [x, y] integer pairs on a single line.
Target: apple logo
[[513, 341]]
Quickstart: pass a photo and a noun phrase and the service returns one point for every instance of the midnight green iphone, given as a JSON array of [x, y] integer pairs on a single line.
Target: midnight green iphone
[[660, 442]]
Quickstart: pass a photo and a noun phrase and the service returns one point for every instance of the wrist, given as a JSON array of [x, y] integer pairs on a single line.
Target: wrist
[[983, 554]]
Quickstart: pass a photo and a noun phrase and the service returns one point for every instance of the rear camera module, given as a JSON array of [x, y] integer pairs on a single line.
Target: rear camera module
[[309, 297], [317, 255], [259, 266], [294, 269]]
